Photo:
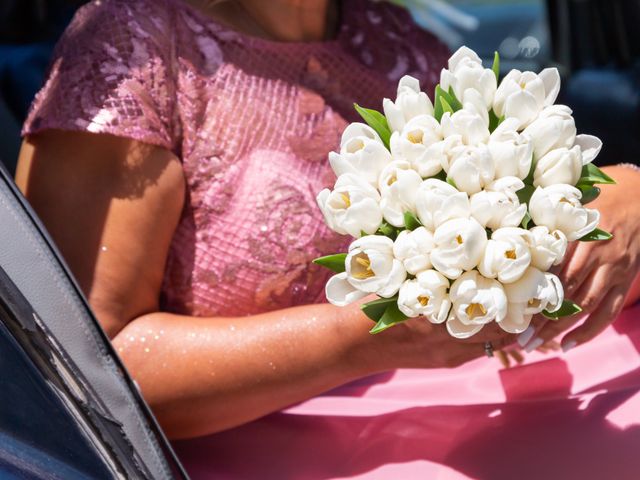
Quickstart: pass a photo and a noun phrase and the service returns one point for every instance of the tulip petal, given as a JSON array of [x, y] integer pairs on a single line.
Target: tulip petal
[[395, 117], [358, 129], [515, 321], [463, 52], [459, 330], [340, 292], [551, 79], [523, 106], [409, 82], [590, 147], [396, 278]]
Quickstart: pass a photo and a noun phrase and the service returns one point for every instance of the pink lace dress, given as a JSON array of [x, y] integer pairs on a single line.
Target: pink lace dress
[[252, 121]]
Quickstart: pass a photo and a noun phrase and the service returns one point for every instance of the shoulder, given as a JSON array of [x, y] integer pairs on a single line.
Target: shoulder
[[112, 72], [126, 26], [387, 38]]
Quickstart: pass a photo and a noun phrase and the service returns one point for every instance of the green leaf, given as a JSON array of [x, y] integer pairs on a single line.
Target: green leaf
[[453, 100], [589, 193], [445, 106], [332, 262], [449, 97], [451, 182], [524, 194], [567, 309], [496, 65], [526, 220], [391, 316], [528, 180], [437, 108], [494, 120], [411, 221], [377, 121], [597, 235], [592, 174], [376, 308], [441, 175], [388, 230]]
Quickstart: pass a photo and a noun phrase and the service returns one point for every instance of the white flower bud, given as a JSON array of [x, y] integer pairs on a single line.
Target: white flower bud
[[352, 207], [460, 244], [361, 153], [425, 295], [409, 103]]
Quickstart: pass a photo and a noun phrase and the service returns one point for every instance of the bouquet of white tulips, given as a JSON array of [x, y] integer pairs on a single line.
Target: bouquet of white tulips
[[459, 208]]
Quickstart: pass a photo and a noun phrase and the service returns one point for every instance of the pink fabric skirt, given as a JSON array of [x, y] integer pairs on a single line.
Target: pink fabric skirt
[[565, 416]]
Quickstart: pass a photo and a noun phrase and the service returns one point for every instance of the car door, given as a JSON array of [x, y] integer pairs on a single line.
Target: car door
[[68, 408]]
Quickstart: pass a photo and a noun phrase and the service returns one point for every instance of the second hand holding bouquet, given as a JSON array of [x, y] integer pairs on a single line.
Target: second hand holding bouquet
[[459, 208]]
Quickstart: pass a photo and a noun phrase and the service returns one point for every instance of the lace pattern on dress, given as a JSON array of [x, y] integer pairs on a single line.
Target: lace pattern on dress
[[252, 121]]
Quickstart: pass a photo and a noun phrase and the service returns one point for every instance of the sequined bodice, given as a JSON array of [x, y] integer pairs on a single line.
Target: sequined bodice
[[252, 121]]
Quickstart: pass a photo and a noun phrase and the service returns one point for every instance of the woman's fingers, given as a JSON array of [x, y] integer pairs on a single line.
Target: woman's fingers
[[590, 293], [577, 269], [598, 320], [550, 346], [551, 329], [588, 297]]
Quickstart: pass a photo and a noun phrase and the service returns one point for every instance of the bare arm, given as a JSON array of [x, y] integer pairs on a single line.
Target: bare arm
[[112, 206]]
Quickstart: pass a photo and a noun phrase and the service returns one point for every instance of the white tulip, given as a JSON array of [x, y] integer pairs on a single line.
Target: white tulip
[[470, 126], [340, 292], [497, 205], [511, 151], [417, 144], [459, 246], [438, 202], [441, 152], [523, 95], [473, 102], [409, 103], [466, 73], [361, 152], [398, 185], [425, 295], [534, 292], [471, 168], [506, 257], [413, 249], [370, 267], [558, 207], [352, 207], [590, 147], [561, 165], [547, 248], [476, 301], [554, 128]]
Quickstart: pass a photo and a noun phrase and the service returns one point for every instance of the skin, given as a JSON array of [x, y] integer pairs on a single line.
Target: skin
[[112, 205], [281, 20], [602, 277]]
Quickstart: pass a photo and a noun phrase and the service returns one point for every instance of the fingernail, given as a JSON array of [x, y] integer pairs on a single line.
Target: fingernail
[[525, 336], [535, 343], [568, 346]]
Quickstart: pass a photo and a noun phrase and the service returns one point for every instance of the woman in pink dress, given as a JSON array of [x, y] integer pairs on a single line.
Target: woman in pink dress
[[175, 153]]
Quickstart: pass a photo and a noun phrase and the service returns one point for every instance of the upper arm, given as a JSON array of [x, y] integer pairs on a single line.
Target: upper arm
[[111, 205]]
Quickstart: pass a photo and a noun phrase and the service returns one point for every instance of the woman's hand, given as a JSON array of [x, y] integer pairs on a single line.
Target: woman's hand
[[418, 343], [598, 275]]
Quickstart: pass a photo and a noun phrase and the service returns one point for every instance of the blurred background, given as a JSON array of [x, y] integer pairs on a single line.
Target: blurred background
[[594, 43]]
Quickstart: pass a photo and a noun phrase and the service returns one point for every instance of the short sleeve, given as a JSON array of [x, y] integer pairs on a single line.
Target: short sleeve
[[112, 73]]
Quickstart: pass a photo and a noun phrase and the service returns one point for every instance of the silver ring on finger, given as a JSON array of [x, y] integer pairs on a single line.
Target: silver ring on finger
[[488, 349]]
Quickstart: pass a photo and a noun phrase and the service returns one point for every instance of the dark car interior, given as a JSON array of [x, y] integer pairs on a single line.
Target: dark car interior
[[68, 409]]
